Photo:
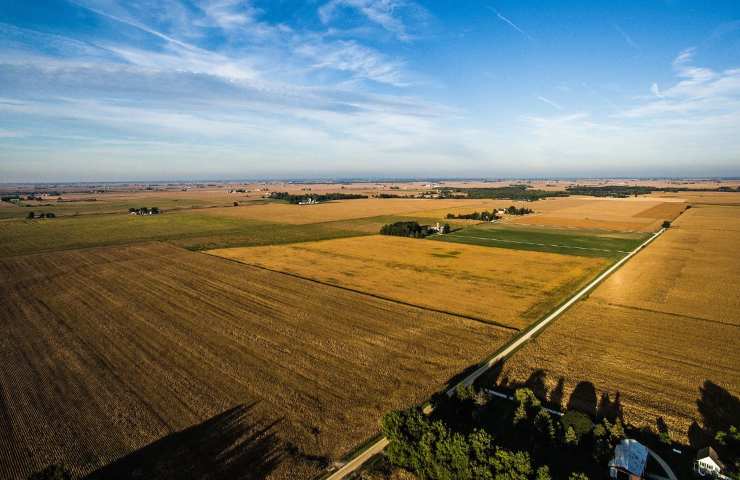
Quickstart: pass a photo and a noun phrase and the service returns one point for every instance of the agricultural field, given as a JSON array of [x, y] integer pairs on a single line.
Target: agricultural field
[[189, 229], [613, 214], [504, 286], [572, 242], [132, 361], [336, 210], [660, 335], [113, 202]]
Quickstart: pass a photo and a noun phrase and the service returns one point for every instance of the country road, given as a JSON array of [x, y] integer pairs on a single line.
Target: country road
[[511, 347]]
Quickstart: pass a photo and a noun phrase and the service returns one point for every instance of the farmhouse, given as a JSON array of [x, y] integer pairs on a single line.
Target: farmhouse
[[708, 464], [630, 458]]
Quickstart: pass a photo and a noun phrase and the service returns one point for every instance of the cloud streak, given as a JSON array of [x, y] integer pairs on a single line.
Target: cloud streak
[[510, 23]]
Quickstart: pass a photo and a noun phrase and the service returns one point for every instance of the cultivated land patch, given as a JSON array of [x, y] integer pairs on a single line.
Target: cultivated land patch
[[654, 332], [509, 287], [573, 242], [189, 229], [183, 362], [336, 210], [616, 214]]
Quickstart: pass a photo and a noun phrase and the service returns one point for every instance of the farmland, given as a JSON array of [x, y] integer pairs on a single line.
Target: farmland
[[159, 360], [615, 214], [191, 230], [509, 287], [654, 332], [572, 242]]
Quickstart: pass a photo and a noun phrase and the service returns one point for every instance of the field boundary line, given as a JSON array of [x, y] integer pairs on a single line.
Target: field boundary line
[[514, 344], [368, 294]]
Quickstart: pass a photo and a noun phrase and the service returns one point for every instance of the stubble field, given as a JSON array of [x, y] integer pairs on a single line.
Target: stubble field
[[508, 287], [654, 332], [179, 361]]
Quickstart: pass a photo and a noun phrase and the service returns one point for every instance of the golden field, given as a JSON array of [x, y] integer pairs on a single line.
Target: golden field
[[508, 287], [618, 214], [161, 360], [336, 210], [656, 330]]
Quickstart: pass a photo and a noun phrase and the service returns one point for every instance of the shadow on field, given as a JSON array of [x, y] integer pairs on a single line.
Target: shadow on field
[[230, 445], [719, 410]]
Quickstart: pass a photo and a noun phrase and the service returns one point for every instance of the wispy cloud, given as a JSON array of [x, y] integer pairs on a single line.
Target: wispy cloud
[[550, 102], [627, 38], [391, 15], [510, 23]]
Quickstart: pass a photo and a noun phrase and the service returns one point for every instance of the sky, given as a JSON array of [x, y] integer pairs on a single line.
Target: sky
[[115, 90]]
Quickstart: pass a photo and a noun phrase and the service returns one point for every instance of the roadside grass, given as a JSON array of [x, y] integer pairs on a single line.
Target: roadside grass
[[579, 242], [187, 229]]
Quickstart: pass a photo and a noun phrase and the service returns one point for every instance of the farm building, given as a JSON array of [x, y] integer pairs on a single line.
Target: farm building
[[708, 464], [630, 458]]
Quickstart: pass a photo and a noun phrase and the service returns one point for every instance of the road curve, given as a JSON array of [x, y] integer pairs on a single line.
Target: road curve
[[378, 446]]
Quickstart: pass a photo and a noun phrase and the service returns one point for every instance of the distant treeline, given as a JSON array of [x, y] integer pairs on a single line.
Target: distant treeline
[[512, 192], [32, 215], [488, 216], [411, 229], [623, 191], [144, 211], [295, 199], [392, 195]]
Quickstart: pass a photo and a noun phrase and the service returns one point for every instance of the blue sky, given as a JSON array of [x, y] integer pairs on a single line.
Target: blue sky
[[175, 89]]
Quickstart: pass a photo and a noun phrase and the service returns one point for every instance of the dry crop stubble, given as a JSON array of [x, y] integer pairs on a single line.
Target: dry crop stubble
[[108, 350], [656, 330], [508, 287]]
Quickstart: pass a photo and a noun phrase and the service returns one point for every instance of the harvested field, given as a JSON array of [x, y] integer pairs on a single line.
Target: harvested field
[[336, 210], [617, 214], [168, 360], [190, 229], [654, 332], [701, 198], [509, 287]]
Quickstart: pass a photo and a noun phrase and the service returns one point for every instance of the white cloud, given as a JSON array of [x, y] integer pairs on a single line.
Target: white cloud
[[389, 14], [550, 102], [510, 23]]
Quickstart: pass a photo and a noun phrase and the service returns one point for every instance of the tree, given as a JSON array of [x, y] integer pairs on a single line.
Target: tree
[[52, 472], [544, 426], [446, 228], [236, 204], [570, 437], [31, 215], [578, 476], [528, 405], [666, 224], [543, 473], [578, 421]]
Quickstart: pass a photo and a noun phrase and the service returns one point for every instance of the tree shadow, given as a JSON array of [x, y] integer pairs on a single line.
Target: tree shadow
[[611, 410], [583, 398], [718, 408], [557, 394], [230, 445]]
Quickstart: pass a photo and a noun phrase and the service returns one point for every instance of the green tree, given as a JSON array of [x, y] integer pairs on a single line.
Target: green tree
[[527, 405], [544, 426], [543, 473], [31, 215], [570, 438], [578, 476]]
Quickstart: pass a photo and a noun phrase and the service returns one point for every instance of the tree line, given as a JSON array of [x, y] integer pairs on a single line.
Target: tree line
[[32, 215], [472, 436], [144, 211], [324, 197], [492, 215], [412, 229]]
